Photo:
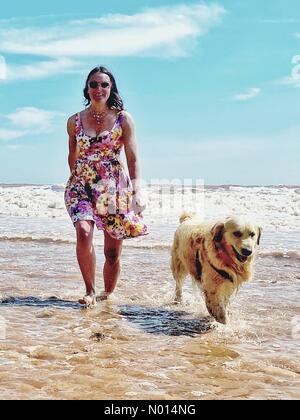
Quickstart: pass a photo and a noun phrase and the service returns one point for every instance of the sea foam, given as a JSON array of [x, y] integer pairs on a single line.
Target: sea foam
[[274, 207]]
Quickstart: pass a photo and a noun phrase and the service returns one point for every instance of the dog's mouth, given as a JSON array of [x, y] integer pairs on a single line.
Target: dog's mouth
[[240, 257]]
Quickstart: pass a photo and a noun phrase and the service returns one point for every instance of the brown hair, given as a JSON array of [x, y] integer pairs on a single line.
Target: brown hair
[[114, 100]]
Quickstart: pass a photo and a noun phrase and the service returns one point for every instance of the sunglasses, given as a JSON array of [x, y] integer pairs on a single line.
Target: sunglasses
[[93, 84]]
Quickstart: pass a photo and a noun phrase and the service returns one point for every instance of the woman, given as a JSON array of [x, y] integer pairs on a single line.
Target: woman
[[98, 191]]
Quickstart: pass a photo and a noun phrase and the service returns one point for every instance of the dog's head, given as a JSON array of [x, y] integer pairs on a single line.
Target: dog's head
[[238, 238]]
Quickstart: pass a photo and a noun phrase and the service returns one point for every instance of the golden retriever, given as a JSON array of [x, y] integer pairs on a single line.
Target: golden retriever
[[219, 257]]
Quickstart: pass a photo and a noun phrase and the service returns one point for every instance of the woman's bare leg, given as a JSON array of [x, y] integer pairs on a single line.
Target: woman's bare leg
[[86, 254], [112, 265]]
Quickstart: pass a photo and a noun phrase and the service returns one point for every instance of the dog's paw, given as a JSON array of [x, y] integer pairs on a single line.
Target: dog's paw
[[177, 300]]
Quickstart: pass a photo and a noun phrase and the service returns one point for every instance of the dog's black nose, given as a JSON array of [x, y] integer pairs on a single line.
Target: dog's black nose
[[246, 252]]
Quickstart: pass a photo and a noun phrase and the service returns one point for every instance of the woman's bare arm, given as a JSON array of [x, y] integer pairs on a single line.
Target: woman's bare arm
[[133, 162], [72, 142]]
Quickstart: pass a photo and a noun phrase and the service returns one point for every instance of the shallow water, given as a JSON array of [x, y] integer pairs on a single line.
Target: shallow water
[[138, 345]]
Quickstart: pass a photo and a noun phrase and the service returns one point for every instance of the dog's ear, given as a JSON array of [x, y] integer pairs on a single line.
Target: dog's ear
[[217, 232], [259, 234], [196, 240]]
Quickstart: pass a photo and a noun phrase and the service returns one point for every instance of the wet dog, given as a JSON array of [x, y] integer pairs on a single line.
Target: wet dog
[[219, 257]]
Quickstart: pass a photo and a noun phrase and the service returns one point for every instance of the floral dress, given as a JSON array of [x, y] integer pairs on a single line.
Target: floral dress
[[98, 188]]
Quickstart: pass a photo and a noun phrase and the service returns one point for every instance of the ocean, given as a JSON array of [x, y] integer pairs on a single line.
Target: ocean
[[138, 345]]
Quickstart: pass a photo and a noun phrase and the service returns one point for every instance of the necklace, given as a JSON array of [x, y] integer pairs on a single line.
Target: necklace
[[99, 116]]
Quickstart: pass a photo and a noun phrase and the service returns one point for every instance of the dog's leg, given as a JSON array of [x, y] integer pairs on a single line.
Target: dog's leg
[[217, 298], [179, 274], [178, 289], [216, 308]]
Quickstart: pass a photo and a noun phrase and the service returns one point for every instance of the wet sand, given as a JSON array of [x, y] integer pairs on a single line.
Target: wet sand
[[138, 345]]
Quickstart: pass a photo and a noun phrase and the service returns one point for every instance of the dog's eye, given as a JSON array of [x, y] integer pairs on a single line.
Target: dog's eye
[[252, 234], [238, 234]]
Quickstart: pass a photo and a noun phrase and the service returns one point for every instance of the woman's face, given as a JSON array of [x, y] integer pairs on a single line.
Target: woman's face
[[99, 87]]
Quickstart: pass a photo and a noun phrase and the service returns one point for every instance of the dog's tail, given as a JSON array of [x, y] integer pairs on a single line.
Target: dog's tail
[[186, 216]]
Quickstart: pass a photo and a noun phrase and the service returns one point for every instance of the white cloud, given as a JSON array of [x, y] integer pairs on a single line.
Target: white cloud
[[3, 68], [294, 78], [289, 81], [9, 134], [29, 121], [246, 96], [30, 117], [39, 69], [162, 31]]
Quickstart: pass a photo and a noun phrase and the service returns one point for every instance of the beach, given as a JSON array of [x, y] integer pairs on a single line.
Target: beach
[[138, 344]]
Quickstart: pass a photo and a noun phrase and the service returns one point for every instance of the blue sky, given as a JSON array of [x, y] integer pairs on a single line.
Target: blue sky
[[213, 87]]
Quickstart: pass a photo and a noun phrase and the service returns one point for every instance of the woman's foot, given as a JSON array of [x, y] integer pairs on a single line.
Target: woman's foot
[[88, 301], [103, 296]]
